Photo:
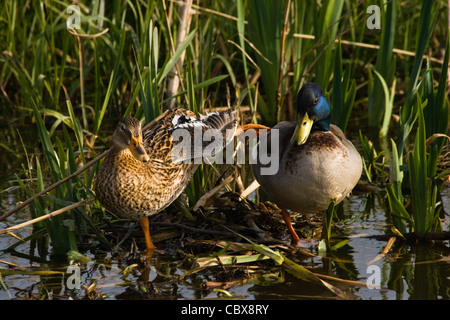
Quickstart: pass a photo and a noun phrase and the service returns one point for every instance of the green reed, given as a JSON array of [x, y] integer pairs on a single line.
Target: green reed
[[424, 180], [409, 111], [385, 65], [343, 92], [61, 162], [427, 106]]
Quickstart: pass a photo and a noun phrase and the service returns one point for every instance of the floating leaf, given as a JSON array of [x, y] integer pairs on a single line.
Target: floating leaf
[[304, 274], [225, 292], [227, 260]]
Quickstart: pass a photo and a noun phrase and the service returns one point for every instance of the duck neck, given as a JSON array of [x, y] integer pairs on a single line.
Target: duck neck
[[322, 125], [121, 152]]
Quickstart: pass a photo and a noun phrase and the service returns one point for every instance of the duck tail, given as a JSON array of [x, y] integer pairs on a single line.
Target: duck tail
[[217, 130], [224, 121]]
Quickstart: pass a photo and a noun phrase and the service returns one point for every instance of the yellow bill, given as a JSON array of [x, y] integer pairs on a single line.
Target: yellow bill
[[137, 149], [302, 130]]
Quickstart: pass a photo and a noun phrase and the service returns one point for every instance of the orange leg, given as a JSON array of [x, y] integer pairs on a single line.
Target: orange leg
[[146, 228], [246, 127], [287, 219], [151, 248]]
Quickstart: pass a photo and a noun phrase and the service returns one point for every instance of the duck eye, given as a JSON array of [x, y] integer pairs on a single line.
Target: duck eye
[[316, 100]]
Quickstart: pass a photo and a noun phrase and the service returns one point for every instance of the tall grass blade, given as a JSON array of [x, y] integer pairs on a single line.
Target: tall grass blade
[[100, 113], [343, 97], [169, 65], [388, 103], [325, 31], [436, 113], [384, 66], [241, 33], [3, 285], [398, 211], [265, 19], [49, 152], [304, 274], [422, 191], [409, 111]]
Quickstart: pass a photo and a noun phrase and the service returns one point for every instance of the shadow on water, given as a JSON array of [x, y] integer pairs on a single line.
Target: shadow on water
[[407, 271]]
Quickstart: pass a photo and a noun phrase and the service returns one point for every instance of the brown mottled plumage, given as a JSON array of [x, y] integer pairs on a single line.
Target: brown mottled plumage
[[135, 185]]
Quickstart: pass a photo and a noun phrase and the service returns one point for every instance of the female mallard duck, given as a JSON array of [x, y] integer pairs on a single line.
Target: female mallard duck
[[316, 162], [140, 176]]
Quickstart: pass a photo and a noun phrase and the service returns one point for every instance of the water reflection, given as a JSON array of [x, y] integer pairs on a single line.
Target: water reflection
[[408, 271], [421, 272]]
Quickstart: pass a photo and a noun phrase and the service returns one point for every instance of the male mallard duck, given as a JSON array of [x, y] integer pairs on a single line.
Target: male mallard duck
[[140, 176], [316, 162]]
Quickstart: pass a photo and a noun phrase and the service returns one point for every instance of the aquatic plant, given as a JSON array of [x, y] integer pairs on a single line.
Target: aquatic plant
[[424, 180]]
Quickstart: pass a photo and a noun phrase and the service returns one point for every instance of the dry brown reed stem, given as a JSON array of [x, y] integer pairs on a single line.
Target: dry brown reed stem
[[252, 187], [46, 216], [204, 9], [386, 249], [202, 201], [174, 76], [280, 70], [348, 282], [370, 46], [91, 36], [255, 184], [246, 54], [155, 120], [10, 264]]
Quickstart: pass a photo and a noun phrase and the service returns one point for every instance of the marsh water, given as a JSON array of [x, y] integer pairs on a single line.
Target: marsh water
[[407, 271]]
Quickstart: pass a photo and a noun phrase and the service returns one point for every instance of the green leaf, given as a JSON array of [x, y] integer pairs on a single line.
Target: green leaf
[[228, 259], [409, 111], [343, 96], [49, 152], [396, 173], [304, 274], [76, 126], [274, 255], [384, 65], [397, 209], [388, 104], [174, 59], [340, 244]]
